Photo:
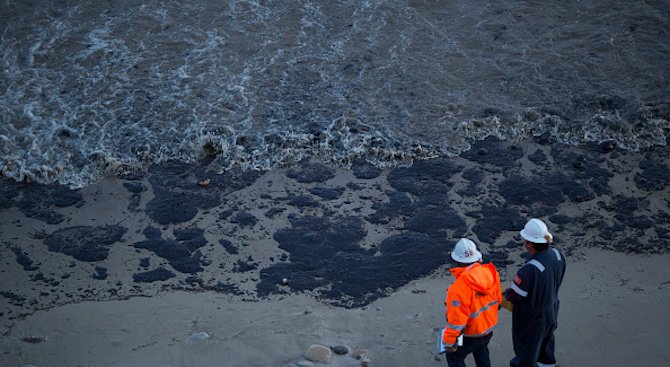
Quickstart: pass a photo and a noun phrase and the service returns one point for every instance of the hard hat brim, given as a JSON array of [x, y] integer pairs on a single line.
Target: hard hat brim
[[530, 238], [467, 260]]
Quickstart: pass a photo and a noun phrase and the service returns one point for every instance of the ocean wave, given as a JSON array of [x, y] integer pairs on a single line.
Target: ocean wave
[[341, 143], [88, 91]]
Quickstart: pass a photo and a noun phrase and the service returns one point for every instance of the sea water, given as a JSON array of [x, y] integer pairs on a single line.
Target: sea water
[[91, 88]]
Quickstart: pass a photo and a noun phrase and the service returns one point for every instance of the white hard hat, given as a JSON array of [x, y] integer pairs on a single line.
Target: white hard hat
[[536, 231], [466, 252]]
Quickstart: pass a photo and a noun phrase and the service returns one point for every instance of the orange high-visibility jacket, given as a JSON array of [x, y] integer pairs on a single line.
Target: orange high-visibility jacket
[[472, 302]]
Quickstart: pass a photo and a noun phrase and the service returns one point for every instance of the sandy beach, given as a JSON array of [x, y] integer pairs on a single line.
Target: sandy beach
[[611, 315], [124, 271], [281, 183]]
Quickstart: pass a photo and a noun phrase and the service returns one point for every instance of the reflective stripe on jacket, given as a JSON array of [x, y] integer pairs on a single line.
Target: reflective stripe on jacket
[[472, 302]]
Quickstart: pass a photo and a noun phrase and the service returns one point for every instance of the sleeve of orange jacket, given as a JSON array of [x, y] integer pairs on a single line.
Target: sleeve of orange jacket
[[458, 307]]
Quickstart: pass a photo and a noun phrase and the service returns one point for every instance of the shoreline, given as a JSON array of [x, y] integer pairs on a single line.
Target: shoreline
[[336, 239]]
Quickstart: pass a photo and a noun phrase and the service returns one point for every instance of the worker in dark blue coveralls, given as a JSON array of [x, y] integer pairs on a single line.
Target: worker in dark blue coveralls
[[534, 296]]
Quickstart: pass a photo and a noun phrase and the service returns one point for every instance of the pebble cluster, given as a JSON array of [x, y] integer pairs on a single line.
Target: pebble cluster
[[336, 356]]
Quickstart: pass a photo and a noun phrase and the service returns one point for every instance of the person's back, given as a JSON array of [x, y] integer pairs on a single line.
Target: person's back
[[534, 294], [544, 273], [472, 306], [480, 286]]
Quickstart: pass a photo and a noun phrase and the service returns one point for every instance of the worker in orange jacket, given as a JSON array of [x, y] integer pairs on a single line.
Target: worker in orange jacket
[[472, 306]]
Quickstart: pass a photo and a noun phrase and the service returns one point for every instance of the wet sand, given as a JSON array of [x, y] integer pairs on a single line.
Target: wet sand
[[120, 273]]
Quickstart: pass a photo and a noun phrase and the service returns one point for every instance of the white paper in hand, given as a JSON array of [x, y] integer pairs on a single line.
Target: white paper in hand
[[441, 348], [440, 345]]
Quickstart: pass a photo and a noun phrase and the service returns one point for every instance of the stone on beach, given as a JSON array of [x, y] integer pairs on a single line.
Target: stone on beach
[[319, 353], [341, 349], [197, 338], [360, 354]]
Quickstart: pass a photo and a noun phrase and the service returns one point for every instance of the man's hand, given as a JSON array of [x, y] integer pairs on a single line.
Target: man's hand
[[506, 304], [450, 349]]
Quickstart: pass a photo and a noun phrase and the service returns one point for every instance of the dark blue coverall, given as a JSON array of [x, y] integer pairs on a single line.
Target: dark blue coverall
[[534, 294]]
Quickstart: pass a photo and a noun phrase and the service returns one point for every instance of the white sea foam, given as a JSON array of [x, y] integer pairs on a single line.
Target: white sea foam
[[89, 91]]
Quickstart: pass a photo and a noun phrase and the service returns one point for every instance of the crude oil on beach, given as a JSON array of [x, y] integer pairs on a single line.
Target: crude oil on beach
[[272, 175]]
